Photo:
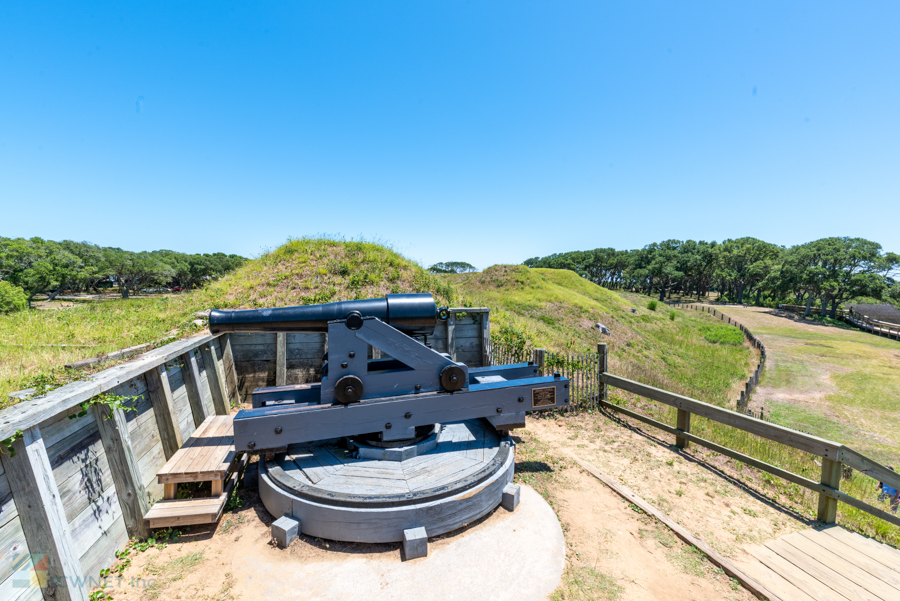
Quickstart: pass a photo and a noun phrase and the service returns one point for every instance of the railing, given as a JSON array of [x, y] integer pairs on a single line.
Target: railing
[[863, 322], [590, 381], [834, 455]]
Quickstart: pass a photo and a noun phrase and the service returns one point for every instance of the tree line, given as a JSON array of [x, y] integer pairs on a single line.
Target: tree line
[[829, 271], [39, 266]]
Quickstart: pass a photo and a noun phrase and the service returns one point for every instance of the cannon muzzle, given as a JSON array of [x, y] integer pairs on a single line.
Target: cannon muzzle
[[413, 314]]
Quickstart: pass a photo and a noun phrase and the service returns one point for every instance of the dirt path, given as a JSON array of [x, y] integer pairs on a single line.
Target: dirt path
[[715, 498], [838, 383], [613, 550]]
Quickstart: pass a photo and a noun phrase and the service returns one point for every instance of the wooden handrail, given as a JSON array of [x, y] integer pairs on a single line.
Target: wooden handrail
[[793, 438], [30, 413], [833, 454]]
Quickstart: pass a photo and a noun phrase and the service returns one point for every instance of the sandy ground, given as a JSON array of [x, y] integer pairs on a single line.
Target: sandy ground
[[613, 551], [709, 495]]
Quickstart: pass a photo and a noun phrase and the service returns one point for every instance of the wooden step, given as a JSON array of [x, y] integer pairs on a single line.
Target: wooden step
[[190, 512], [206, 456]]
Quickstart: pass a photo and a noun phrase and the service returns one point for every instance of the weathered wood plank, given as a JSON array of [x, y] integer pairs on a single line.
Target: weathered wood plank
[[885, 555], [835, 581], [840, 547], [127, 352], [841, 565], [191, 374], [799, 440], [123, 464], [31, 413], [231, 379], [280, 359], [164, 409], [216, 378], [799, 578], [12, 543], [41, 512]]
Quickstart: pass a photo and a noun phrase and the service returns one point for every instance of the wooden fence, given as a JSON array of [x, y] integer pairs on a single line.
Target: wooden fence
[[753, 381], [861, 321], [77, 488], [590, 391], [833, 455]]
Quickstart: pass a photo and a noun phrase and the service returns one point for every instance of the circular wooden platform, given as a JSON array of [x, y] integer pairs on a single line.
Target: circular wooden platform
[[340, 497]]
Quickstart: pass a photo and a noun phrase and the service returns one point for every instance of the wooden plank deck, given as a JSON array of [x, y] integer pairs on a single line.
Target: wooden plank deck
[[831, 564]]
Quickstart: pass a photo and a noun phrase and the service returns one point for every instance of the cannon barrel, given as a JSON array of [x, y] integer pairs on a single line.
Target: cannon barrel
[[413, 314]]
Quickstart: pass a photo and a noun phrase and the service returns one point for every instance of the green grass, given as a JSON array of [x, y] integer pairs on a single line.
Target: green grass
[[556, 309], [721, 334], [303, 271], [584, 583]]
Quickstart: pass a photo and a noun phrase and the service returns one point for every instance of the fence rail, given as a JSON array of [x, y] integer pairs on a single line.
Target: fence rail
[[834, 454], [854, 318], [591, 379]]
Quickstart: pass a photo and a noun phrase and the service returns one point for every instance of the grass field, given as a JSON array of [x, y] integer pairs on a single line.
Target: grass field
[[835, 382]]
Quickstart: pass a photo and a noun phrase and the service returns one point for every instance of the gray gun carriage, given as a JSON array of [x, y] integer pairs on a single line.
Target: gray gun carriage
[[383, 447]]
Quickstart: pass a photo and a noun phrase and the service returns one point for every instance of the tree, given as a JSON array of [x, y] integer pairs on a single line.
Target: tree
[[853, 267], [452, 267], [12, 298], [745, 262], [133, 271]]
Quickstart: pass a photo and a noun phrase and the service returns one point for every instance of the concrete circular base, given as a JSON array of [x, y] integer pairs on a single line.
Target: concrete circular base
[[336, 495], [508, 556]]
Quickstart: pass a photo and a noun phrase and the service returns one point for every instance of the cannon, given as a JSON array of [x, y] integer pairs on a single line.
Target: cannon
[[413, 431]]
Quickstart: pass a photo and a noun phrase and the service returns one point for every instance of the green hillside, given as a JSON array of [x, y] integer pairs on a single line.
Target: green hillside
[[34, 345], [687, 352]]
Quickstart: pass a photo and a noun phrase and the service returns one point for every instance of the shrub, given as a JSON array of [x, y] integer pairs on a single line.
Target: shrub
[[672, 315], [652, 305], [722, 334], [12, 298]]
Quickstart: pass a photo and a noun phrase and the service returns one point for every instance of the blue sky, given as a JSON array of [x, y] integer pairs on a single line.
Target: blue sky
[[486, 132]]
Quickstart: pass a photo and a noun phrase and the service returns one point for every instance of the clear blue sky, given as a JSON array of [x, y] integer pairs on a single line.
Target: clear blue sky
[[479, 131]]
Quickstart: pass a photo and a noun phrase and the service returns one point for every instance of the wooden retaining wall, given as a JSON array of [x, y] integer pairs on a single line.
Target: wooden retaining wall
[[268, 359], [88, 481], [85, 483]]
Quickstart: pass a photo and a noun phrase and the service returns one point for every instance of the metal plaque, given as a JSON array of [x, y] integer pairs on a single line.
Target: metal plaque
[[543, 397]]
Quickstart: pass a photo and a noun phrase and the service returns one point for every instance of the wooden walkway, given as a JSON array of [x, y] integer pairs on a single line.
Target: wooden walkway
[[831, 564]]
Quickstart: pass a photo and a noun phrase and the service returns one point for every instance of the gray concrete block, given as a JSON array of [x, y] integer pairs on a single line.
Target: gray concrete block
[[510, 499], [415, 543], [285, 530]]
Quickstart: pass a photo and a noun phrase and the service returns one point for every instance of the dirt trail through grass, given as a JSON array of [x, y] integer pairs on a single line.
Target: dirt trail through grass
[[834, 382]]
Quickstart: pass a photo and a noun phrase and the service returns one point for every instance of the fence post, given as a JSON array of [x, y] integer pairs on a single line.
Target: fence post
[[123, 467], [539, 360], [215, 377], [164, 409], [280, 359], [831, 476], [683, 423], [43, 517], [191, 374], [603, 357]]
